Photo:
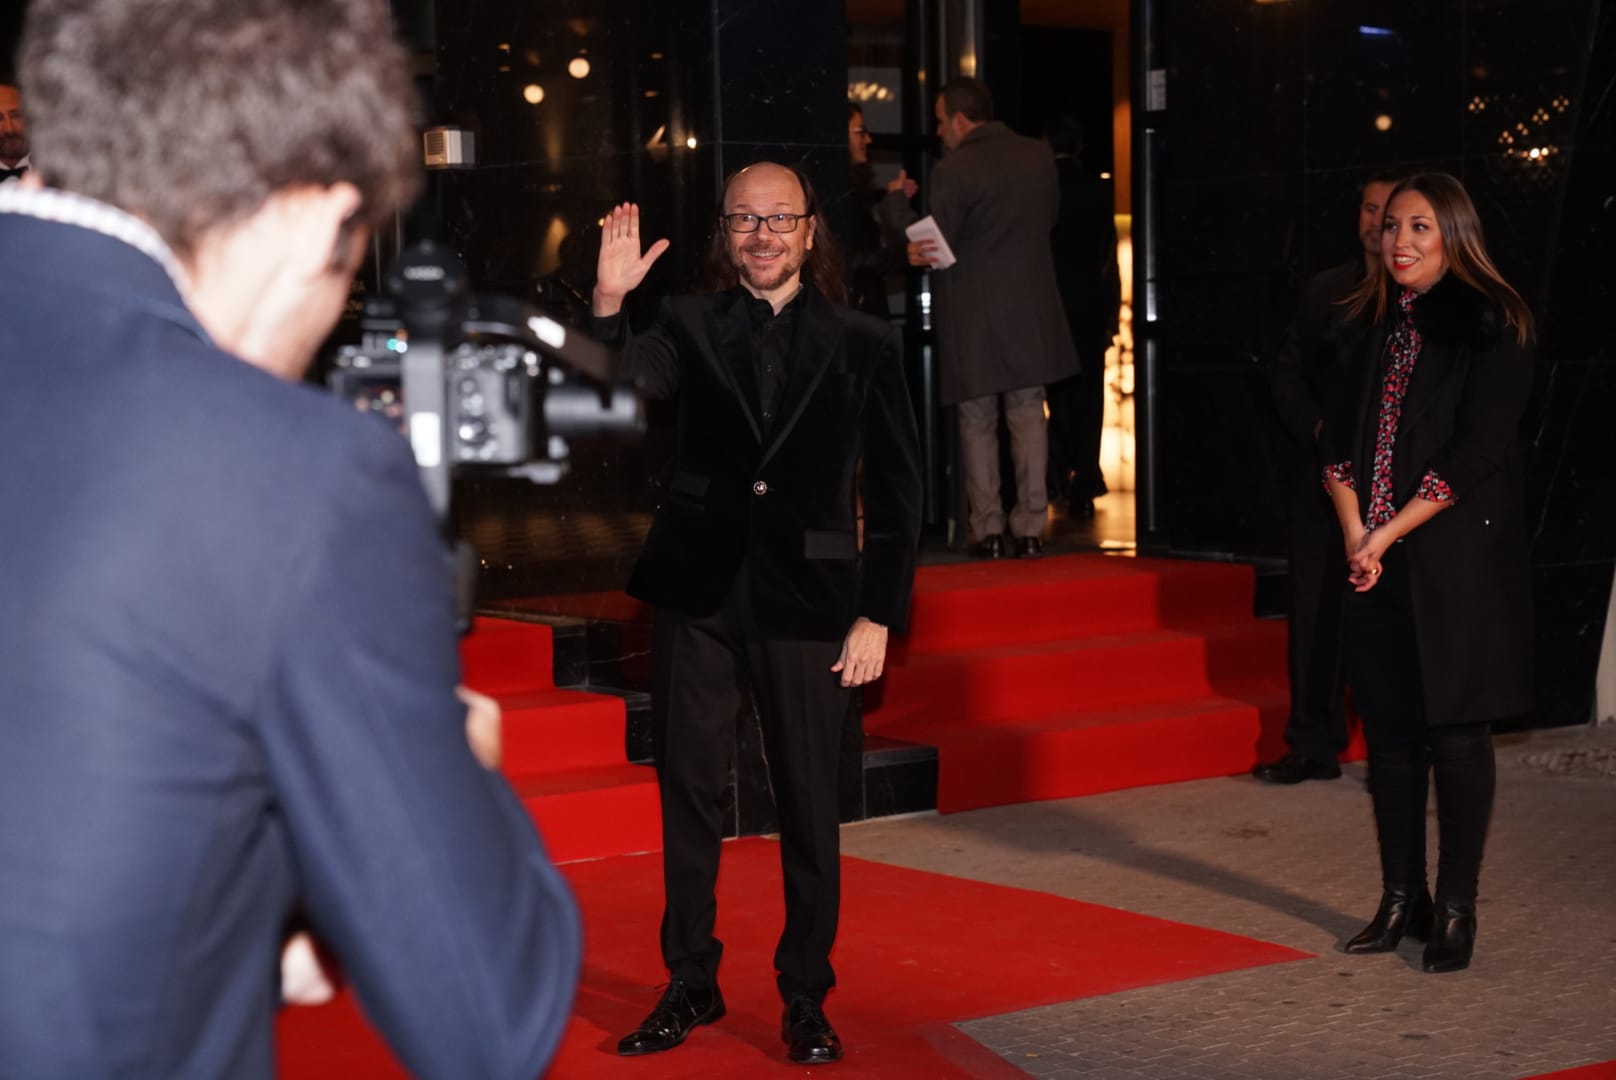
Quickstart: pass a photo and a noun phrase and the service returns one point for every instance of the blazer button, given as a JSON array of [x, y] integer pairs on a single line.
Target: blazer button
[[760, 488]]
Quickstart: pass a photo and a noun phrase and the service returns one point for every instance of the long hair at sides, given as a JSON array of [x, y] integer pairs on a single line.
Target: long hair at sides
[[822, 266], [1462, 246]]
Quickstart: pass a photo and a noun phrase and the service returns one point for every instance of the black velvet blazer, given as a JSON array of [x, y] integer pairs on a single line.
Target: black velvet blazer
[[781, 502], [1468, 566]]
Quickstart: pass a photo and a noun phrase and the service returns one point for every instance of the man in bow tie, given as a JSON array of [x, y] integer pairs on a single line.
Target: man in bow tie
[[13, 134]]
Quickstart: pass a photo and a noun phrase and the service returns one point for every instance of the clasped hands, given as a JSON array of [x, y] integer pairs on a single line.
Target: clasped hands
[[1364, 551]]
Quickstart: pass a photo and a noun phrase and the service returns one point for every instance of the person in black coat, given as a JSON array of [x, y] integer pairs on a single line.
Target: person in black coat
[[755, 567], [1425, 475], [1316, 730], [1084, 243], [871, 250]]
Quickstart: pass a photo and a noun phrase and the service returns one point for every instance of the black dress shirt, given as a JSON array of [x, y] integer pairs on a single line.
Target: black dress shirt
[[770, 336]]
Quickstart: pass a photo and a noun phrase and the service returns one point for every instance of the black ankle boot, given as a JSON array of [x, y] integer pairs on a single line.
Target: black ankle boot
[[1453, 937], [1402, 913]]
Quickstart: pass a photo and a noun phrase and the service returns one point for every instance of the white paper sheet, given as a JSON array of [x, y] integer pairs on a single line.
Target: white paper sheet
[[926, 229]]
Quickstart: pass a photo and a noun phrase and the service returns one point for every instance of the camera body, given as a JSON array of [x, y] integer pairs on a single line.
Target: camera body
[[482, 383], [490, 412]]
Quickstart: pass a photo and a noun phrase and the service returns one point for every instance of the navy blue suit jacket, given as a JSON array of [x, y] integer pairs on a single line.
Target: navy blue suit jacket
[[227, 664]]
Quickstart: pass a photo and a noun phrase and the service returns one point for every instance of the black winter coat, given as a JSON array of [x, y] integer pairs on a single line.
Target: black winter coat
[[781, 502], [1468, 566]]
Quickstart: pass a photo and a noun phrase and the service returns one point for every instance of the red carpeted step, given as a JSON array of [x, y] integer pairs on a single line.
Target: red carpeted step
[[593, 813], [563, 748], [548, 731], [1058, 756], [503, 656], [1010, 681], [969, 605]]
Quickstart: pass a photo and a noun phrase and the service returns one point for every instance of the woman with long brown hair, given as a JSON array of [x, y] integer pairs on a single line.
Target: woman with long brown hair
[[1425, 475]]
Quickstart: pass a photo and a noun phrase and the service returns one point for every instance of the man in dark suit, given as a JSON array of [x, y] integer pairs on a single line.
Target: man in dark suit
[[14, 160], [755, 567], [1316, 731], [227, 656], [1001, 331]]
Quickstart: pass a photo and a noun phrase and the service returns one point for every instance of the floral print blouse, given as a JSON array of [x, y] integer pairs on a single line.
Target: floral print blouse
[[1402, 351]]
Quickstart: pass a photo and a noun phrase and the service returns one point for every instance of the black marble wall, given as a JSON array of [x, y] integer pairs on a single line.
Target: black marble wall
[[577, 106], [1274, 112]]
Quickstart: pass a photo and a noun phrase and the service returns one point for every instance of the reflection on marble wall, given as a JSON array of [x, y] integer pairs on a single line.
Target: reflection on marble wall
[[1275, 112], [579, 105]]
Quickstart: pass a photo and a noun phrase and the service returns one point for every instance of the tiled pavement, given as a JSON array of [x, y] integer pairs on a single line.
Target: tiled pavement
[[1297, 866]]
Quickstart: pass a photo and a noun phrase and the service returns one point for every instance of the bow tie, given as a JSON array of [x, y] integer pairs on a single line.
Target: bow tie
[[7, 174]]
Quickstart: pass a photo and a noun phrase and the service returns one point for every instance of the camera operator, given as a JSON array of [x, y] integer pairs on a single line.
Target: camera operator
[[227, 658]]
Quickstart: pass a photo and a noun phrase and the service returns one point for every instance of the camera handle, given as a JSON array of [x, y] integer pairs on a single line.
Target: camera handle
[[424, 396]]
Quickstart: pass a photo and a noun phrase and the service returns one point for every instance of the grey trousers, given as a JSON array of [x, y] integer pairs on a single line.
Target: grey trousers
[[1029, 450]]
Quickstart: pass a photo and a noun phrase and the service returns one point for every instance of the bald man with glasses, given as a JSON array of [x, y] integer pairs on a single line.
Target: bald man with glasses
[[755, 567]]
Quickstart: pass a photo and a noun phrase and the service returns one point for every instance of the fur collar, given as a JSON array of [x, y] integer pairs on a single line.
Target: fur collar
[[1452, 311]]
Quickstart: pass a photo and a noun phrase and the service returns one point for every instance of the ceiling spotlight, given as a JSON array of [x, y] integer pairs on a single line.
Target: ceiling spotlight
[[578, 67], [1383, 122], [532, 93]]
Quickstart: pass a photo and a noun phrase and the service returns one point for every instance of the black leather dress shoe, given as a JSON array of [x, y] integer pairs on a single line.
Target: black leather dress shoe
[[1295, 767], [1403, 913], [809, 1038], [680, 1008], [1029, 547], [990, 547], [1453, 937]]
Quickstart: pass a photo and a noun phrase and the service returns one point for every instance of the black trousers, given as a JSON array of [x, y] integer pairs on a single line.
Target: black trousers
[[700, 668], [1317, 725], [1406, 752]]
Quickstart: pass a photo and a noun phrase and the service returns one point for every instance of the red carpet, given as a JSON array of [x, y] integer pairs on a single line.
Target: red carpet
[[1069, 675], [563, 748], [917, 952], [1083, 673]]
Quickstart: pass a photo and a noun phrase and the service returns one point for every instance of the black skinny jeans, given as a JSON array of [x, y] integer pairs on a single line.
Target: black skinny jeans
[[1381, 660]]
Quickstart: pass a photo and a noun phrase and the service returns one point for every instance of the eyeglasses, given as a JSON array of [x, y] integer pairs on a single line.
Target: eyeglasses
[[778, 223], [863, 133]]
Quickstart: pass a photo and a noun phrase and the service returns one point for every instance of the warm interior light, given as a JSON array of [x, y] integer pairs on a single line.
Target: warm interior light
[[578, 67], [1383, 122], [532, 93]]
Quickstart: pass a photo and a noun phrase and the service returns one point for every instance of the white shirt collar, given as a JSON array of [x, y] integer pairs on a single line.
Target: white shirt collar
[[66, 208]]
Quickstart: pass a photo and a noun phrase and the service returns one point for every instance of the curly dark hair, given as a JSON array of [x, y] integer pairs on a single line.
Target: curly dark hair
[[191, 115]]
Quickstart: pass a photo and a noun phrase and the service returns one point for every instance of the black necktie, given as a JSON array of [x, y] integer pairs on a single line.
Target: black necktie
[[7, 174]]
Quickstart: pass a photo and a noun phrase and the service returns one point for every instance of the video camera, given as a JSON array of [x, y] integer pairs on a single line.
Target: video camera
[[481, 383]]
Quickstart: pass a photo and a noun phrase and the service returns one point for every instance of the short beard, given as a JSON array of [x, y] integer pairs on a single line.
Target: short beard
[[782, 271]]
